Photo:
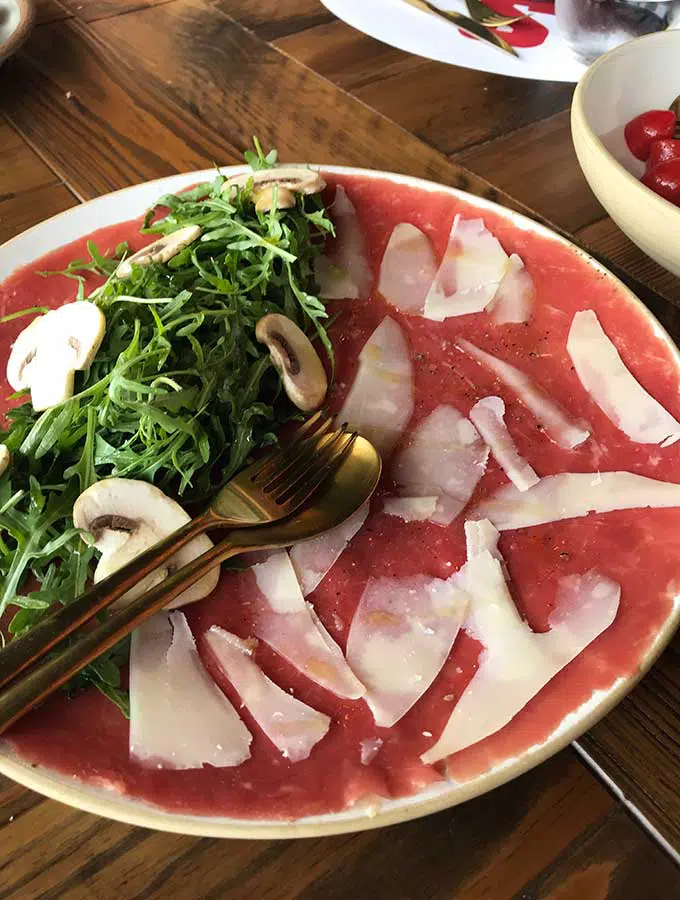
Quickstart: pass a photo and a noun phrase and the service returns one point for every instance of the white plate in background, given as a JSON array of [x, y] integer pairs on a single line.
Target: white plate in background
[[416, 31]]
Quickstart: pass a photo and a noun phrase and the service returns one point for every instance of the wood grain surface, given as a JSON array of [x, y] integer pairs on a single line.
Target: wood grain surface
[[108, 93]]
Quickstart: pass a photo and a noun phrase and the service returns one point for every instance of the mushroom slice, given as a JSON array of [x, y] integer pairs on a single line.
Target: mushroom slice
[[126, 517], [47, 353], [160, 251], [302, 372], [5, 458], [298, 179], [264, 198]]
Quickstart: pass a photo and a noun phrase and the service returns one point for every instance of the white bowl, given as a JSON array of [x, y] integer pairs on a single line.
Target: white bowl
[[16, 20], [640, 75]]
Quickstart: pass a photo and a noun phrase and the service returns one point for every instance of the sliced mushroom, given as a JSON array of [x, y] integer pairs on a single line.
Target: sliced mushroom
[[5, 458], [296, 179], [47, 353], [160, 251], [126, 517], [302, 372], [264, 198]]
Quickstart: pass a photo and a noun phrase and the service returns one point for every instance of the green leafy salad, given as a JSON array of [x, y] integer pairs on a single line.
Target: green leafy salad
[[180, 393]]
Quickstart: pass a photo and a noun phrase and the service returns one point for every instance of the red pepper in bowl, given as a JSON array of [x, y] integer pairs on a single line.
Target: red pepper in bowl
[[662, 151], [647, 128], [664, 180]]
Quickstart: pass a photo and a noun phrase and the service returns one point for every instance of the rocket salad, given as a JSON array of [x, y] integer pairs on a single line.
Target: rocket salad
[[180, 393]]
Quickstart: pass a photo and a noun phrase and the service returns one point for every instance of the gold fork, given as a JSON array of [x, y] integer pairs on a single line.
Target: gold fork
[[354, 476], [271, 489], [255, 495], [488, 17]]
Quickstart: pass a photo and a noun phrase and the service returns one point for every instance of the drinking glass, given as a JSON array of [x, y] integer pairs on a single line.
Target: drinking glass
[[592, 27]]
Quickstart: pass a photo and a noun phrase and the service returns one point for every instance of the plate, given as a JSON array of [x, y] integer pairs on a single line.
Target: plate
[[16, 19], [128, 204], [542, 55]]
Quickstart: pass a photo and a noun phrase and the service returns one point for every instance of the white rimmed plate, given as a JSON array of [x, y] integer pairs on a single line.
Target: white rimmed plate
[[131, 203], [541, 53]]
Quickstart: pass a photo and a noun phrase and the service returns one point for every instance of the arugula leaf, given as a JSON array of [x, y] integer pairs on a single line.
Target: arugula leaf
[[180, 393], [258, 160]]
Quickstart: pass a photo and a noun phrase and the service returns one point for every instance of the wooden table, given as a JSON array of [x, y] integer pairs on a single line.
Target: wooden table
[[109, 93]]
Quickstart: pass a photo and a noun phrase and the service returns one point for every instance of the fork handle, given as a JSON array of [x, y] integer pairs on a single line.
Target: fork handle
[[34, 644], [20, 697]]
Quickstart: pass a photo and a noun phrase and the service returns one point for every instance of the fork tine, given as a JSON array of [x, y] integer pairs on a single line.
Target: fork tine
[[320, 417], [296, 494], [302, 464], [501, 21], [302, 457], [282, 486], [308, 433], [270, 455]]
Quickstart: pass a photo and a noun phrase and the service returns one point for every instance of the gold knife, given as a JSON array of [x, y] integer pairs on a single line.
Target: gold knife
[[465, 24]]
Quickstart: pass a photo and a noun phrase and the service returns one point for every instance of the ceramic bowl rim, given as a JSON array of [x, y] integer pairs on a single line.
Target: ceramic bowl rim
[[580, 119], [21, 32]]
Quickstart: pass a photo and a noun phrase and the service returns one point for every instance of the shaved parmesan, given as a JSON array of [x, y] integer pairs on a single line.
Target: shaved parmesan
[[369, 750], [380, 402], [445, 457], [516, 663], [411, 509], [290, 626], [343, 273], [473, 267], [400, 637], [179, 718], [515, 296], [573, 494], [408, 269], [313, 560], [293, 727], [621, 398], [481, 535], [558, 424], [487, 417]]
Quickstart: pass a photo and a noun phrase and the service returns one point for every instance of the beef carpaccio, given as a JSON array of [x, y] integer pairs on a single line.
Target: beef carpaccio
[[436, 583]]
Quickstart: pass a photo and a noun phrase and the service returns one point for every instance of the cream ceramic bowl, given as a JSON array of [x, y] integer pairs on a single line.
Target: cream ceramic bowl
[[128, 204], [643, 74], [16, 19]]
